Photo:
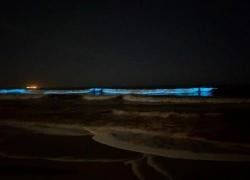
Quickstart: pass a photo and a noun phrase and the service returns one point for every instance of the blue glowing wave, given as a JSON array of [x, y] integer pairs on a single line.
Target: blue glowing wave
[[14, 91], [200, 91], [86, 91], [161, 92]]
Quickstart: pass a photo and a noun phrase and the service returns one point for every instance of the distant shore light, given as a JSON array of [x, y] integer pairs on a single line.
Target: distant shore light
[[32, 87]]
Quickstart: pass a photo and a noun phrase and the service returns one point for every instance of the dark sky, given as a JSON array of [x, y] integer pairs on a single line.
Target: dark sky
[[124, 43]]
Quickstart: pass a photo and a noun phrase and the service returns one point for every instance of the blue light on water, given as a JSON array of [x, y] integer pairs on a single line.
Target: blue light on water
[[205, 89], [161, 92], [66, 91], [96, 91], [199, 91], [14, 91]]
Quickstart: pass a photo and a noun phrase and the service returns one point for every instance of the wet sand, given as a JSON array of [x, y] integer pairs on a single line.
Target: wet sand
[[70, 137], [27, 155]]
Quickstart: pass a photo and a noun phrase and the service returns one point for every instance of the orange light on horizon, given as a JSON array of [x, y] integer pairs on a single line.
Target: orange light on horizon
[[32, 87]]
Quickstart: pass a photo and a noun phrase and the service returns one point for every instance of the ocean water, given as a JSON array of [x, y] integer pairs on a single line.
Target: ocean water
[[145, 134], [197, 91]]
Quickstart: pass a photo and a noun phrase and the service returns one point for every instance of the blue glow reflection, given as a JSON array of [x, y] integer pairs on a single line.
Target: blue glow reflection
[[199, 91], [14, 91], [66, 91], [162, 92]]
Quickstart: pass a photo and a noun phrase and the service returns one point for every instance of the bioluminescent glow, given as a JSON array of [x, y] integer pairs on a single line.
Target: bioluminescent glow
[[14, 91], [96, 91], [66, 91], [162, 92], [200, 91]]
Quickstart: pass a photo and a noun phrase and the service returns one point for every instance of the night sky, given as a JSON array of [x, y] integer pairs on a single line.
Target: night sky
[[59, 43]]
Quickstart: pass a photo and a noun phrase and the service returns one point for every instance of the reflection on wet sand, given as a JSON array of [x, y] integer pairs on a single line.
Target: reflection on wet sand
[[160, 143], [107, 138], [98, 153], [144, 165], [53, 151], [171, 147]]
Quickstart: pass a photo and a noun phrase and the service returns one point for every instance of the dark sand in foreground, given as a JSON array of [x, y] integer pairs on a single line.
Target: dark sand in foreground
[[51, 137]]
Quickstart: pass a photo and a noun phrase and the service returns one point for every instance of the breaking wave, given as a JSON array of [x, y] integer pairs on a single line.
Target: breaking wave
[[85, 91], [198, 91]]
